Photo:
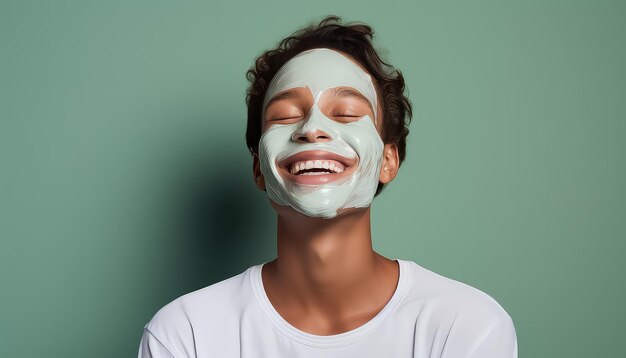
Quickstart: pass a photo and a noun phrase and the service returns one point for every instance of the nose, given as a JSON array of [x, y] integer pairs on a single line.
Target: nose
[[312, 129], [311, 136]]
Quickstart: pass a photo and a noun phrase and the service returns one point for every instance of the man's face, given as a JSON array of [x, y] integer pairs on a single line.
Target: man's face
[[321, 151]]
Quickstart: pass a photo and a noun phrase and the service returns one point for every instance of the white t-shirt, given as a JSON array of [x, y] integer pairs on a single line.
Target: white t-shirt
[[428, 316]]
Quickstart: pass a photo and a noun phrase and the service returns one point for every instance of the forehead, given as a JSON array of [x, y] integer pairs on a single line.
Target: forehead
[[320, 69]]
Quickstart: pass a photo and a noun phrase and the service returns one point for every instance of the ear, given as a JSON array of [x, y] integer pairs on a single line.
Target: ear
[[259, 180], [391, 163]]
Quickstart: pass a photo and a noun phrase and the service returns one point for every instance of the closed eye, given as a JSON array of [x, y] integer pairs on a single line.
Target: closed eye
[[283, 119]]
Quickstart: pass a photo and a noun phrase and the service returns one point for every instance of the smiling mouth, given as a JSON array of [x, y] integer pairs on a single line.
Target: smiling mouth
[[316, 167]]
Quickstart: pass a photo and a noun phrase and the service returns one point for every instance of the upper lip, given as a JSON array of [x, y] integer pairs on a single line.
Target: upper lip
[[316, 155]]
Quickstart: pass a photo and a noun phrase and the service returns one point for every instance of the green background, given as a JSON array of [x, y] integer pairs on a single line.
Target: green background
[[125, 180]]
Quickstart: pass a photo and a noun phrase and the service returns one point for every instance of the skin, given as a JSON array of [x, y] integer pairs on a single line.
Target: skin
[[326, 278]]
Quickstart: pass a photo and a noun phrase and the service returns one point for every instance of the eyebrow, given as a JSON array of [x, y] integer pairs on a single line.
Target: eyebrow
[[285, 95], [348, 92]]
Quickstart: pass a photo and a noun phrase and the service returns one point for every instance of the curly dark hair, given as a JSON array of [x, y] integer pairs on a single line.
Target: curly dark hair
[[354, 39]]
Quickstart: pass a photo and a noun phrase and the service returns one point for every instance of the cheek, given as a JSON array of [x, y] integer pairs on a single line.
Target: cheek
[[364, 138], [273, 140]]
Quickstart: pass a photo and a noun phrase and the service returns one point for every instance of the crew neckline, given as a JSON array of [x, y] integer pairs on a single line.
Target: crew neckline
[[335, 340]]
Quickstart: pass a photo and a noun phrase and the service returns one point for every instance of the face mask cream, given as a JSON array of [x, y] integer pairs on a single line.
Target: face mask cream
[[319, 178]]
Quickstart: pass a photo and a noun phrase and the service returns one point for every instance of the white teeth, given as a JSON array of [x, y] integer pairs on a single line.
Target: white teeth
[[313, 173], [316, 164]]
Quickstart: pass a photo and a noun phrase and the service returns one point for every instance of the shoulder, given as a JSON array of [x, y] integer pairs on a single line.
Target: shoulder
[[175, 324], [210, 300], [450, 294], [469, 318]]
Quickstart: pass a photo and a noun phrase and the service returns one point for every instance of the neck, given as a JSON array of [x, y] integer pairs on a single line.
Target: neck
[[326, 263], [326, 254]]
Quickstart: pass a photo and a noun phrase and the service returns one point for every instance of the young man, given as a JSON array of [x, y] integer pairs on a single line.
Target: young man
[[327, 128]]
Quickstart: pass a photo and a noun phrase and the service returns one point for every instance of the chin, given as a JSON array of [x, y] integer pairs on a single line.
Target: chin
[[292, 213]]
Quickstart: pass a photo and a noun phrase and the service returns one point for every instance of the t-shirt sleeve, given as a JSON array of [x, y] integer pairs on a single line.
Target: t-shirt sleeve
[[151, 347], [499, 342]]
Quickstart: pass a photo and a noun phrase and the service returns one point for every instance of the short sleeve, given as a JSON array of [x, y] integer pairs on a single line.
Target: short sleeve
[[151, 347], [500, 342]]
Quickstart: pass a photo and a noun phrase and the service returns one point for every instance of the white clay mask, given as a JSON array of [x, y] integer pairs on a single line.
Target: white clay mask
[[338, 165]]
